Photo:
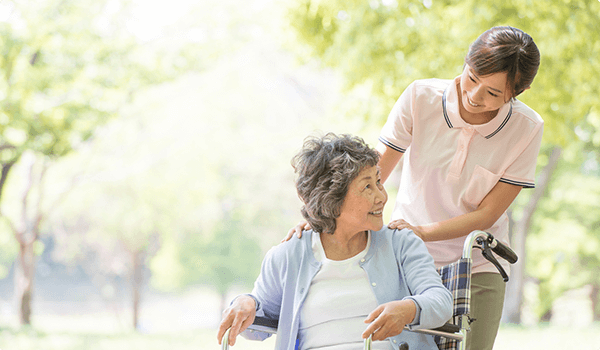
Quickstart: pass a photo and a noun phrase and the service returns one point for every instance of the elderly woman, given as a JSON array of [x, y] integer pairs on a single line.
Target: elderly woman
[[350, 277]]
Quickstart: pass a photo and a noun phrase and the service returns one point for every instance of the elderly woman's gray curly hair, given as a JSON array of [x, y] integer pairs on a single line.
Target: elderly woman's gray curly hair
[[325, 167]]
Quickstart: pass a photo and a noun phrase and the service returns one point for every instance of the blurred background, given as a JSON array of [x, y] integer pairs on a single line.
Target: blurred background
[[145, 150]]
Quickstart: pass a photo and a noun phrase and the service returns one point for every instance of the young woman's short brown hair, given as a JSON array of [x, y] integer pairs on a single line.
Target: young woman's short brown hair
[[505, 49]]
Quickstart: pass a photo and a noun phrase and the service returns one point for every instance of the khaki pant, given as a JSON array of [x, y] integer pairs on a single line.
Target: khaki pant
[[487, 300]]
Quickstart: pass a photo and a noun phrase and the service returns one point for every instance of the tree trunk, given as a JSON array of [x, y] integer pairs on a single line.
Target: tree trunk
[[24, 278], [514, 288], [4, 174], [595, 295], [137, 281], [26, 233]]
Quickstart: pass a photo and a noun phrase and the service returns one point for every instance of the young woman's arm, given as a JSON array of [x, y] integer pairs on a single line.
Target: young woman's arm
[[388, 161], [487, 213]]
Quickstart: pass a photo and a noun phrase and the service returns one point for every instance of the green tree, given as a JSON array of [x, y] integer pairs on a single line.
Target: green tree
[[565, 237], [226, 257], [212, 149], [117, 232], [232, 256], [66, 67], [385, 45]]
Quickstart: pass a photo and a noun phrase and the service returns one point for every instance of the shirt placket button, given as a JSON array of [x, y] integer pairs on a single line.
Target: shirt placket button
[[461, 152]]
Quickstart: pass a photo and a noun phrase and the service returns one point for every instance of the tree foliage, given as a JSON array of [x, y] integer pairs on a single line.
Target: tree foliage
[[388, 44], [384, 45], [564, 245], [66, 67]]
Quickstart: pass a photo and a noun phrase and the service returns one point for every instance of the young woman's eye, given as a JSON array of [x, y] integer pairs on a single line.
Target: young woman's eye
[[473, 80], [491, 93]]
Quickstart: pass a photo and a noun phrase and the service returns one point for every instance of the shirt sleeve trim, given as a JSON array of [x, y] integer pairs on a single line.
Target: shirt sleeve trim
[[518, 183], [390, 145]]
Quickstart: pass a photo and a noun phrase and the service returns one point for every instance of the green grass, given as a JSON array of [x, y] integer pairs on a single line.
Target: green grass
[[544, 336], [510, 337], [32, 339]]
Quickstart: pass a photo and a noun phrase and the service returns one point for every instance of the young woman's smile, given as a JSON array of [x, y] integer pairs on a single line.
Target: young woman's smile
[[483, 94]]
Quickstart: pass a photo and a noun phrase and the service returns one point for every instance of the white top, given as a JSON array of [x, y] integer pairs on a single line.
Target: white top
[[450, 166], [337, 303]]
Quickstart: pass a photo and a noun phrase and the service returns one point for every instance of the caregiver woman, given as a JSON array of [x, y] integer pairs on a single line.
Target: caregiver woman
[[469, 148]]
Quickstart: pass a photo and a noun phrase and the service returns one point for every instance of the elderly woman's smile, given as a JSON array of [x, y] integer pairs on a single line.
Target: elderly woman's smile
[[363, 205]]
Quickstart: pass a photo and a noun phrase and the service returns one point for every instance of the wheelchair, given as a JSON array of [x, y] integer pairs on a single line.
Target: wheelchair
[[456, 277]]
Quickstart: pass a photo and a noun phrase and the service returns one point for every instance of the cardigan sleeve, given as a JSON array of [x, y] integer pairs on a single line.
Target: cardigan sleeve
[[424, 282], [267, 292]]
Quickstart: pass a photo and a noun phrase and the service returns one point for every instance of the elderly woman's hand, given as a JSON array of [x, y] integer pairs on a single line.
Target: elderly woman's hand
[[389, 319], [238, 317], [302, 226]]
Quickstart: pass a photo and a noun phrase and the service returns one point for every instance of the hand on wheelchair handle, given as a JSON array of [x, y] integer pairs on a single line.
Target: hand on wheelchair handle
[[238, 316], [389, 319]]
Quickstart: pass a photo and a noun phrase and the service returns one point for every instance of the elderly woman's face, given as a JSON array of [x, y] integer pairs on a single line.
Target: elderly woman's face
[[363, 206]]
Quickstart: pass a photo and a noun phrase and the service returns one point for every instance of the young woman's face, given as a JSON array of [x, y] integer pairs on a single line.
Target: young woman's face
[[362, 208], [483, 93]]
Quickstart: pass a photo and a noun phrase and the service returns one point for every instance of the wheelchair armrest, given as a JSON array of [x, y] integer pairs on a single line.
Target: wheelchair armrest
[[448, 328], [263, 324], [267, 322]]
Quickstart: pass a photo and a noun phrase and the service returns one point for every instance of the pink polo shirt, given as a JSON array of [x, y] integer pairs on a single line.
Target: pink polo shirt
[[449, 166]]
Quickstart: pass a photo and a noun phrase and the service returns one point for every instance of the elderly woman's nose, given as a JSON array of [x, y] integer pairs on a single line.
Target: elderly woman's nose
[[381, 195]]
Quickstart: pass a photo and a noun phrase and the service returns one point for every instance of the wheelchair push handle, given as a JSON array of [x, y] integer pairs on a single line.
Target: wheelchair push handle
[[502, 250], [488, 244]]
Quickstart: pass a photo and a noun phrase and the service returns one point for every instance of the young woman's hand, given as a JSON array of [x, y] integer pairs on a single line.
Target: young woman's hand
[[389, 319], [302, 225], [238, 317], [400, 224]]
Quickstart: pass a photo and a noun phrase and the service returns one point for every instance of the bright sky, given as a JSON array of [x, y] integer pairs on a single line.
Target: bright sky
[[151, 16]]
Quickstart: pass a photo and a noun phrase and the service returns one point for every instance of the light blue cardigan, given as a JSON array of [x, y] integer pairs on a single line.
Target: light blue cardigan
[[397, 264]]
